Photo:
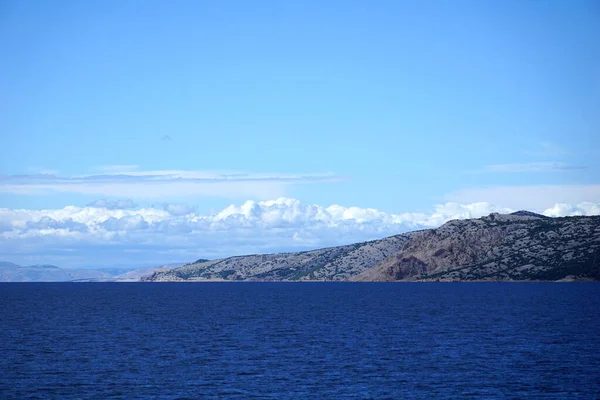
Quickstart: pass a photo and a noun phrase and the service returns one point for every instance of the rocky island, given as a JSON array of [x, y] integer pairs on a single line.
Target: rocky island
[[521, 246]]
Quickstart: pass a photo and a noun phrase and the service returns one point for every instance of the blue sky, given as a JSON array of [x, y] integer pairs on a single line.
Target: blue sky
[[396, 106]]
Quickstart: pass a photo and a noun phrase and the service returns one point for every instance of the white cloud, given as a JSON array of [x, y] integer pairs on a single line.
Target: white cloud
[[113, 204], [534, 198], [585, 208], [127, 181], [178, 209], [178, 234]]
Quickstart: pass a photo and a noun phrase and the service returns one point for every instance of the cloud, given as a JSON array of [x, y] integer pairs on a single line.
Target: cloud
[[162, 184], [175, 233], [113, 204], [178, 209], [127, 223], [533, 197], [49, 224], [585, 208], [531, 167]]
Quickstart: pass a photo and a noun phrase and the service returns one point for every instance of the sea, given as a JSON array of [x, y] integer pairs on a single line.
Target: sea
[[300, 341]]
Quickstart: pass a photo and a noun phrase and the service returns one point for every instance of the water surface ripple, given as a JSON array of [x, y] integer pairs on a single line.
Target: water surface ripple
[[300, 340]]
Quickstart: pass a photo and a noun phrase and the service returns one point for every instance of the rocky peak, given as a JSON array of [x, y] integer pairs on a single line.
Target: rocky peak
[[524, 213]]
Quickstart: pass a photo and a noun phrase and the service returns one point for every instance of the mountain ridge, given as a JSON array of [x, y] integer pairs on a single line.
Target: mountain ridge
[[319, 264], [498, 247]]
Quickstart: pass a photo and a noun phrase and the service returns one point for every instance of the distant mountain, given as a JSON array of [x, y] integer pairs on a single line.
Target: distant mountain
[[499, 247], [134, 275], [10, 272], [114, 271]]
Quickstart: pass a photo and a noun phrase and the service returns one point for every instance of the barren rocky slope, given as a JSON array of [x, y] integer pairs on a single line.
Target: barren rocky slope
[[518, 246], [330, 264]]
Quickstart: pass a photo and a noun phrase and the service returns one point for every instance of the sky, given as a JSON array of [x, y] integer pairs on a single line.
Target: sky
[[139, 133]]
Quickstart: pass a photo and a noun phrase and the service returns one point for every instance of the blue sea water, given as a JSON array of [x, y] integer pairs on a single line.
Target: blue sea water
[[300, 340]]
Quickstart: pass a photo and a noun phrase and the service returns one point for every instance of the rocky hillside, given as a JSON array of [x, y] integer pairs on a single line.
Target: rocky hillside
[[518, 246], [330, 264]]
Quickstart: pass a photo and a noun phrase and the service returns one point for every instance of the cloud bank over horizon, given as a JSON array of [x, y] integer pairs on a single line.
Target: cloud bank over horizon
[[107, 232]]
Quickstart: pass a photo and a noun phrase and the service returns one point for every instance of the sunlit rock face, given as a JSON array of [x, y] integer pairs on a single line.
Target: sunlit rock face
[[512, 247]]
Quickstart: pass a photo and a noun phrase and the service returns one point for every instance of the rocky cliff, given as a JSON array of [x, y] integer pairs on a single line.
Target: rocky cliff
[[510, 247], [515, 247]]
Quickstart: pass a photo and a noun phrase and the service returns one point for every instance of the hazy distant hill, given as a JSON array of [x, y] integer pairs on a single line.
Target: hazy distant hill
[[10, 272], [518, 246], [134, 275]]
